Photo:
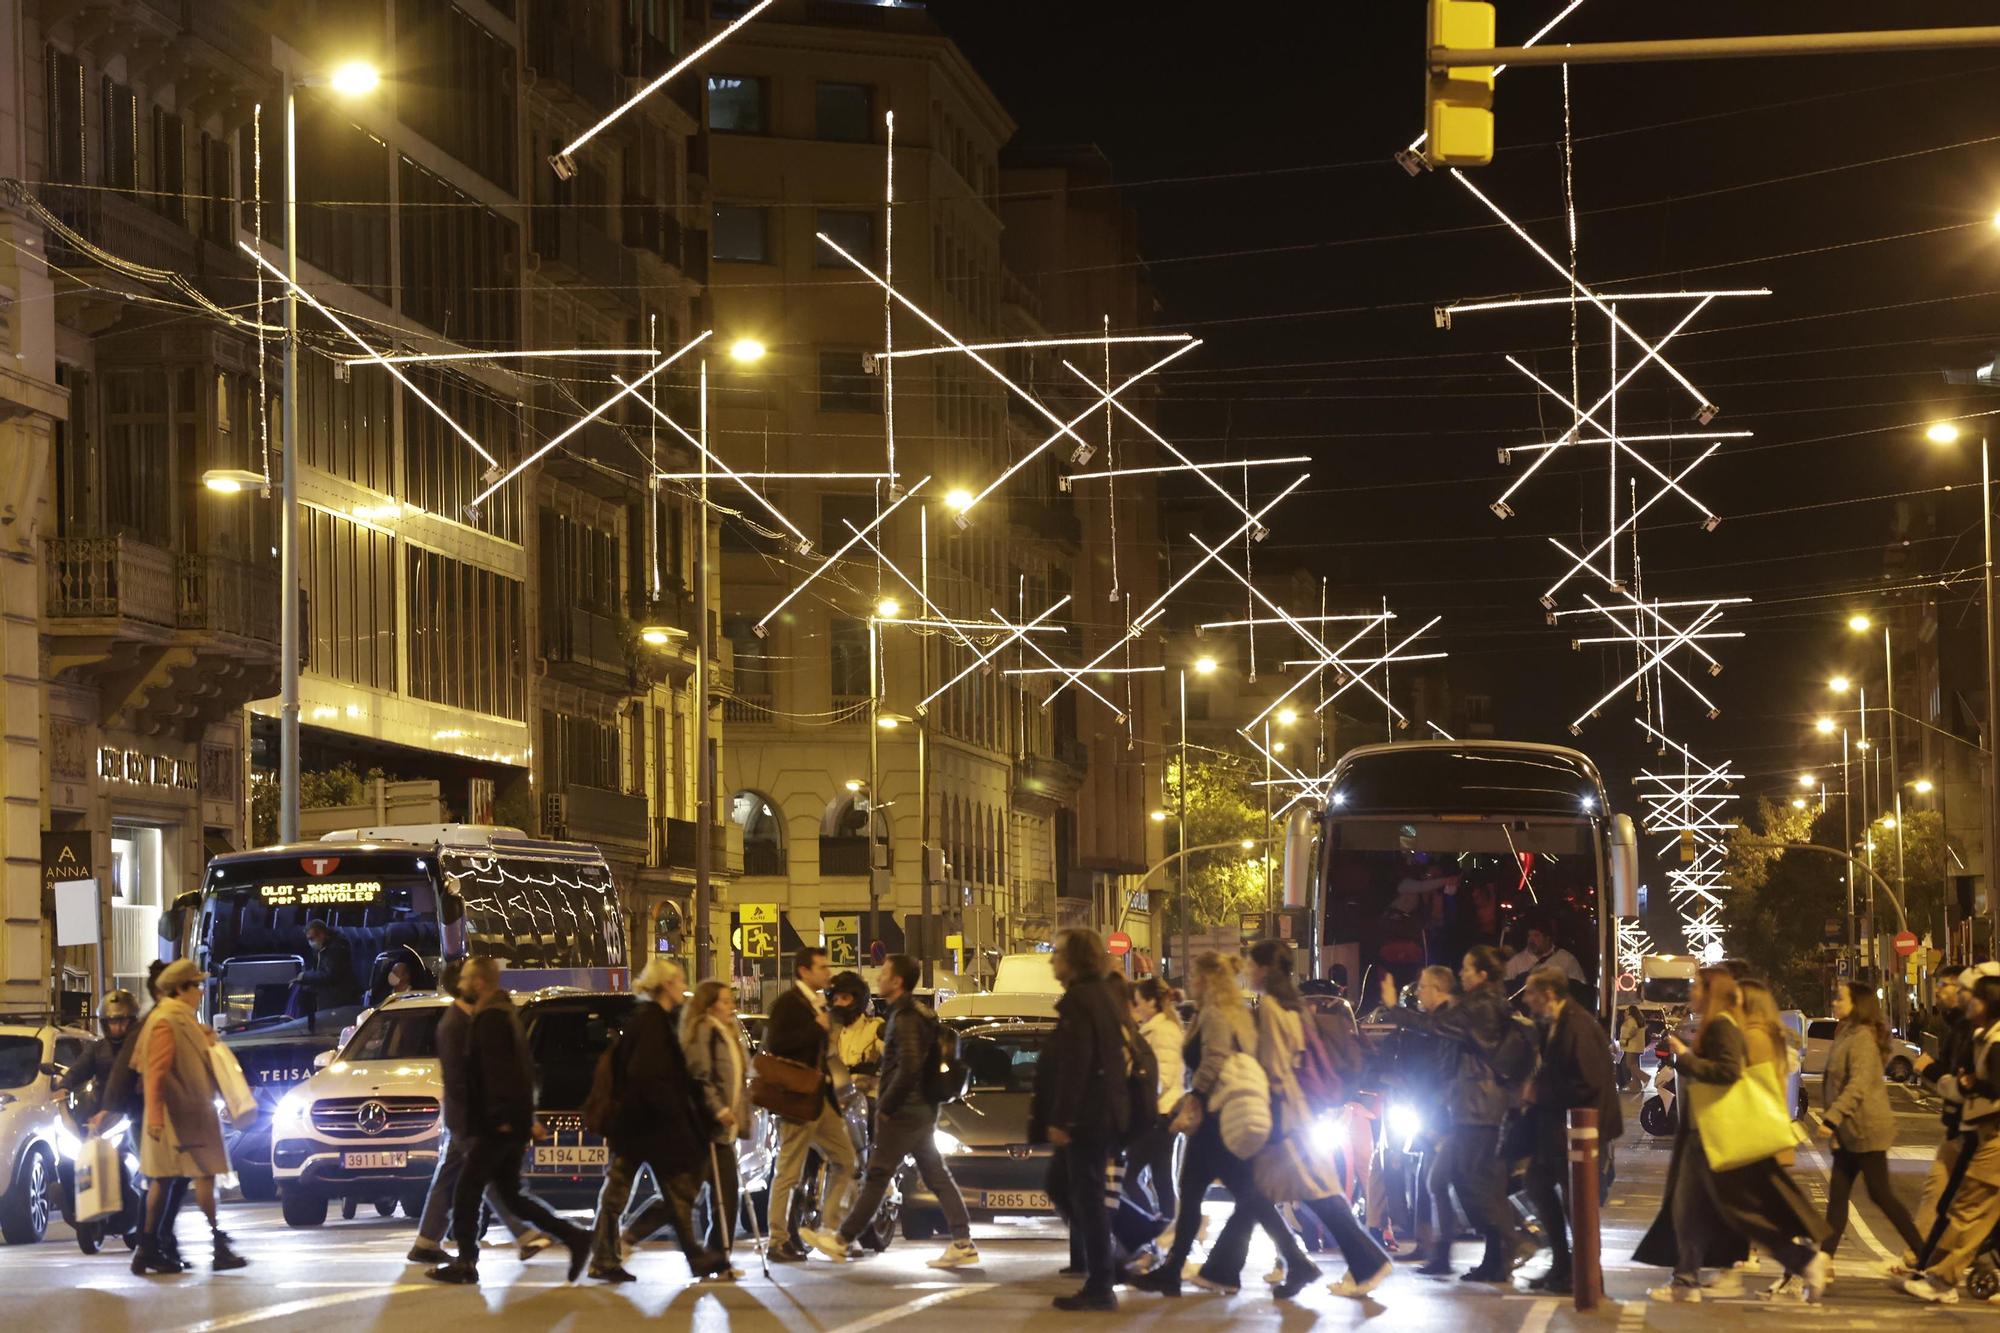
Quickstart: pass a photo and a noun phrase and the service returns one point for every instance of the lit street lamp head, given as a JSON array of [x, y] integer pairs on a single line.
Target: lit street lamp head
[[1824, 726], [1840, 684], [1204, 666], [1859, 623], [746, 351], [1807, 779], [659, 636], [356, 78], [1158, 816], [232, 480], [1941, 432], [1923, 786], [1287, 716], [888, 608], [959, 499]]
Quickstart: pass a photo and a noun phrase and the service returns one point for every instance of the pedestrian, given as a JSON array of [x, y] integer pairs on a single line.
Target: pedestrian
[[1469, 1163], [125, 1096], [1707, 1216], [328, 979], [906, 1111], [1974, 1208], [1542, 951], [183, 1132], [1857, 1115], [500, 1122], [454, 1054], [718, 1060], [659, 1122], [1574, 1072], [1281, 1046], [1222, 1028], [1152, 1155], [799, 1030], [1631, 1045], [1081, 1106], [1959, 1002]]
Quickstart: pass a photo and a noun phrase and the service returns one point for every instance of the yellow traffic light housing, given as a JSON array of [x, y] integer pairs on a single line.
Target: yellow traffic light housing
[[1458, 112]]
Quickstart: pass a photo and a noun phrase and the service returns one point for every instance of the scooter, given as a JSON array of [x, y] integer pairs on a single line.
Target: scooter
[[1659, 1114], [125, 1220]]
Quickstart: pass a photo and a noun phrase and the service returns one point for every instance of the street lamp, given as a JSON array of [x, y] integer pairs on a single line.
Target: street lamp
[[1840, 684], [1923, 786], [233, 480], [659, 636], [888, 608], [1204, 666], [1859, 623], [1806, 779], [746, 351], [1824, 726]]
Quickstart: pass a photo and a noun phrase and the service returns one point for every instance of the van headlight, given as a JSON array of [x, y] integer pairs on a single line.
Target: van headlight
[[948, 1143]]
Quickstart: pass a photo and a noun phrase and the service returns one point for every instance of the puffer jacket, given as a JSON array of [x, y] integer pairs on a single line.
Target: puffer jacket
[[1855, 1093], [1240, 1100]]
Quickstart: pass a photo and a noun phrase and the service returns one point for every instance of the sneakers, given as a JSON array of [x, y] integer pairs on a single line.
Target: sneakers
[[534, 1243], [830, 1244], [1298, 1277], [1787, 1288], [455, 1273], [423, 1252], [958, 1254], [1816, 1276], [1347, 1286], [1927, 1288], [1725, 1285], [1209, 1284], [1681, 1293]]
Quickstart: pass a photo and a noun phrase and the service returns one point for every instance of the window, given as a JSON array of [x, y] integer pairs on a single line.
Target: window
[[344, 426], [743, 233], [852, 231], [441, 472], [343, 199], [836, 512], [763, 833], [65, 127], [459, 262], [136, 487], [736, 103], [845, 386], [397, 1034], [847, 656], [754, 676], [579, 565], [455, 86], [842, 111], [121, 138], [169, 166], [349, 572], [465, 636], [578, 751], [217, 187]]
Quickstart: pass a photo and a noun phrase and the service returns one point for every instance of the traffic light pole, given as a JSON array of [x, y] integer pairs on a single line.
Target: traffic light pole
[[1719, 48]]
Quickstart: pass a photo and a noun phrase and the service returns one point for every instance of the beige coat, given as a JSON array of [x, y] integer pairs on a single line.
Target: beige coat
[[180, 1096]]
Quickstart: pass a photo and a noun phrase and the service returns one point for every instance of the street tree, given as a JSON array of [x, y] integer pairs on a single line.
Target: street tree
[[1224, 805]]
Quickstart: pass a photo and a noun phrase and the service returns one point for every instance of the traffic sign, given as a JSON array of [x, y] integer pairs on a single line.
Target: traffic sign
[[760, 914], [1843, 967], [843, 939], [1119, 943], [759, 940], [1906, 944]]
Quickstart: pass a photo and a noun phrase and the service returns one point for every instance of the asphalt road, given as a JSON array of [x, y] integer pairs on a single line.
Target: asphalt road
[[352, 1274]]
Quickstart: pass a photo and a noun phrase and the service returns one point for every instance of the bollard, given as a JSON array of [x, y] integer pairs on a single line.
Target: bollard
[[1588, 1273]]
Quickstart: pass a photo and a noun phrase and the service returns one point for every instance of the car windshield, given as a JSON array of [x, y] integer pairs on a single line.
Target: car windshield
[[20, 1061], [566, 1037], [397, 1034], [1004, 1061]]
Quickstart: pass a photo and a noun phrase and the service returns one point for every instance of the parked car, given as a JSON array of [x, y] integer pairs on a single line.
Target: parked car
[[984, 1139], [30, 1123], [1900, 1064]]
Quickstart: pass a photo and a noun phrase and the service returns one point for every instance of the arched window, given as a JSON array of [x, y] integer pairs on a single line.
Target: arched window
[[763, 832]]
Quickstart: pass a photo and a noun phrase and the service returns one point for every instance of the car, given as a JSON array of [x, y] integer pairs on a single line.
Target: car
[[984, 1139], [31, 1121], [1900, 1064]]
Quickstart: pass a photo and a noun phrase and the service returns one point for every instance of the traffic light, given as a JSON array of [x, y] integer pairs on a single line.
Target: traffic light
[[1458, 109]]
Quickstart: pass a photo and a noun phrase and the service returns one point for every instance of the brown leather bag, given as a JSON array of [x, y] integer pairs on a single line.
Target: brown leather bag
[[785, 1087]]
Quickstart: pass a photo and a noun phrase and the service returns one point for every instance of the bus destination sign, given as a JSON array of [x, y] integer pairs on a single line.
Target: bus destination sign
[[323, 893]]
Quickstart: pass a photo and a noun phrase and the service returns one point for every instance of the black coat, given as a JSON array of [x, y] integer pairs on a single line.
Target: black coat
[[1954, 1050], [907, 1040], [1575, 1071], [1473, 1025], [330, 973], [793, 1033], [90, 1077], [658, 1116], [500, 1073], [1080, 1078], [454, 1048]]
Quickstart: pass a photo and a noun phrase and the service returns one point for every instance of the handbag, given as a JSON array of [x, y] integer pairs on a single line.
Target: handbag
[[237, 1099], [785, 1087], [1741, 1122], [97, 1181]]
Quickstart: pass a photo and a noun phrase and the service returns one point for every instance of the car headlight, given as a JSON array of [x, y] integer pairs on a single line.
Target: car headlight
[[67, 1144], [290, 1116], [948, 1143], [1329, 1130], [1405, 1121]]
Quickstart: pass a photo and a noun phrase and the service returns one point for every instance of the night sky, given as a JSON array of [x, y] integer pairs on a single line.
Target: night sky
[[1256, 143]]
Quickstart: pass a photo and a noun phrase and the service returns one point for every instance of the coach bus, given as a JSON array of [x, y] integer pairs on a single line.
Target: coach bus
[[421, 895], [1426, 848]]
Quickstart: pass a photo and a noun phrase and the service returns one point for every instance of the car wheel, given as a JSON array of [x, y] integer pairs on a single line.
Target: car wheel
[[413, 1204], [385, 1208], [1900, 1069], [348, 1208], [256, 1182], [89, 1237], [303, 1210], [1653, 1118], [882, 1233], [1984, 1283], [24, 1210]]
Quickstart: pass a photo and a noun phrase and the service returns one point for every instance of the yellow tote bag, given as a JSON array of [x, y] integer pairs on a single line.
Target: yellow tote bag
[[1741, 1122]]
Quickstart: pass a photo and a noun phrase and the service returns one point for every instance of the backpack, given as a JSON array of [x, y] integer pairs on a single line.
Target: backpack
[[1319, 1082], [946, 1077], [1142, 1084], [1517, 1052], [600, 1107]]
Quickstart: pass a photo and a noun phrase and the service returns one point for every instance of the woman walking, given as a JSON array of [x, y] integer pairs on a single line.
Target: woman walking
[[183, 1135], [1708, 1215], [719, 1064], [1153, 1012], [1857, 1116], [1222, 1028]]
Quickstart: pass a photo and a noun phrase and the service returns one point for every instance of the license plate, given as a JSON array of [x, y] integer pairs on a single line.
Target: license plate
[[573, 1156], [1027, 1201], [374, 1161]]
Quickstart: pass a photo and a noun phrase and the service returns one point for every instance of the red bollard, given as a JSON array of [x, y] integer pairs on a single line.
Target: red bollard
[[1587, 1270]]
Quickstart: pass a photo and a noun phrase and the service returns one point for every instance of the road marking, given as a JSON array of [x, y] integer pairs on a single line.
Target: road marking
[[289, 1308], [908, 1308], [1632, 1315], [1539, 1314]]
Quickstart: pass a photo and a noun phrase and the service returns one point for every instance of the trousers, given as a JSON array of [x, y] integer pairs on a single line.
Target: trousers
[[1873, 1168], [1208, 1161], [674, 1208], [827, 1134], [443, 1189], [493, 1161], [1076, 1186], [909, 1132], [1469, 1165]]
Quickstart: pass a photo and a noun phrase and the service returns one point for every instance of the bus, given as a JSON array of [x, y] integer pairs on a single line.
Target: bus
[[1427, 848], [423, 895]]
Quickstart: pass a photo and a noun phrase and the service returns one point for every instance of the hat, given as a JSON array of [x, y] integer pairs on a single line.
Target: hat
[[178, 974]]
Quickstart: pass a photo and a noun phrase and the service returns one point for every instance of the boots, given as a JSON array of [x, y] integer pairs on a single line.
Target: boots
[[226, 1258]]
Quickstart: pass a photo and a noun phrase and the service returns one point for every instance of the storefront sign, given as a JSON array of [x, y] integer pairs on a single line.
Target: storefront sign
[[65, 856], [139, 769]]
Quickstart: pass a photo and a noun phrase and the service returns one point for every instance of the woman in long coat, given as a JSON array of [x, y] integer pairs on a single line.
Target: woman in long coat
[[1707, 1216], [183, 1134]]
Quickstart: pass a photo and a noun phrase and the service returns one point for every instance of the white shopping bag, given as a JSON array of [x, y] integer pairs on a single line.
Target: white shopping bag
[[237, 1098], [97, 1190]]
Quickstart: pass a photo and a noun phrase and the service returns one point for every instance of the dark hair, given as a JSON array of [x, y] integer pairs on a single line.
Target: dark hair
[[318, 925], [153, 970], [1275, 957], [1867, 1013], [904, 968], [1121, 992], [1484, 961], [806, 957], [1550, 981], [1154, 992], [1083, 950]]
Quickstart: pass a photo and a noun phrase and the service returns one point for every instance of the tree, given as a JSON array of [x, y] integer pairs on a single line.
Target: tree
[[1224, 805], [1775, 912], [318, 790]]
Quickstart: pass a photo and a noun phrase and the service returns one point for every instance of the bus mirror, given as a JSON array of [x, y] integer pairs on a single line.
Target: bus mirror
[[451, 908], [1624, 851], [172, 920], [1299, 863]]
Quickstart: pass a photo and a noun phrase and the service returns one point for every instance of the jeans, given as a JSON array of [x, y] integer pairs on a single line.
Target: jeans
[[829, 1135], [1208, 1161], [1469, 1164], [1548, 1187], [909, 1133], [444, 1185], [1873, 1168], [1076, 1186], [1155, 1155], [674, 1207], [493, 1161]]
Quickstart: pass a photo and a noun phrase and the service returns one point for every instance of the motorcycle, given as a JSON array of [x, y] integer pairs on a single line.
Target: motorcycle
[[1659, 1114], [124, 1221]]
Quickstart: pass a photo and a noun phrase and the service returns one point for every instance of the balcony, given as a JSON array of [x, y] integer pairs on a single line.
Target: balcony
[[654, 229], [111, 579], [1043, 783], [612, 819], [588, 648], [566, 70], [677, 844], [843, 856], [227, 597], [120, 224], [577, 254], [750, 708], [764, 858]]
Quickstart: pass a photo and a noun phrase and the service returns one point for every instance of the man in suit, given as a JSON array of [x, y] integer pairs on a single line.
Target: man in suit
[[798, 1031], [1575, 1071]]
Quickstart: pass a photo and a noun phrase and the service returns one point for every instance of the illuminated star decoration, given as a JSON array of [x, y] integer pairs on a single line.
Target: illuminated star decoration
[[1691, 802]]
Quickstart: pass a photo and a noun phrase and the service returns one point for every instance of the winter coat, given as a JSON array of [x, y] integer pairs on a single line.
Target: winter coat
[[90, 1077], [180, 1085], [908, 1038], [793, 1033], [1240, 1100], [1473, 1024], [1954, 1045], [454, 1049], [499, 1072], [719, 1064], [1080, 1078], [1163, 1033], [1220, 1030], [1575, 1071], [657, 1118], [330, 974], [1855, 1093]]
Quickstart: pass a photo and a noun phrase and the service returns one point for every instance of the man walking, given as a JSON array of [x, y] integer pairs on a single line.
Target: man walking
[[1575, 1071], [905, 1125], [500, 1120], [798, 1031], [454, 1048]]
